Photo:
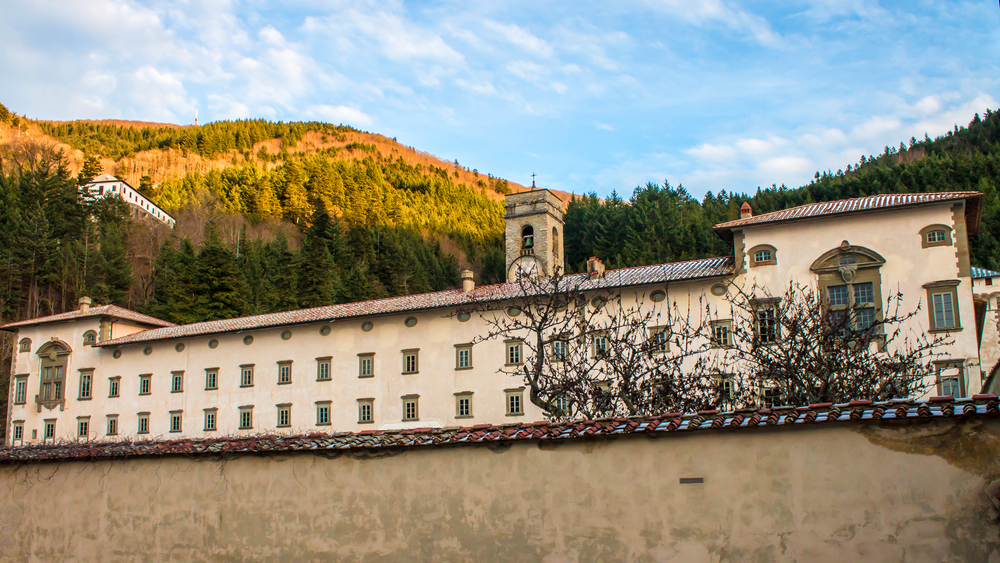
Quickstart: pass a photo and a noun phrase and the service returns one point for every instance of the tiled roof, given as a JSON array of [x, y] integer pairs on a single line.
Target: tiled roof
[[105, 178], [855, 412], [100, 311], [983, 273], [642, 275], [855, 205]]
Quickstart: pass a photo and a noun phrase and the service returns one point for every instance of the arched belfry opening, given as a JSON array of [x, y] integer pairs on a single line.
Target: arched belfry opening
[[527, 239], [532, 240]]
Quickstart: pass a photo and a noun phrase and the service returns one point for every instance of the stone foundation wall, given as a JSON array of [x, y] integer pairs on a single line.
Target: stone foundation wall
[[906, 491]]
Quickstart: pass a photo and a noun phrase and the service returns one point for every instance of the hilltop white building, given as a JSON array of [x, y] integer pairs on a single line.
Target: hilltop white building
[[105, 372], [107, 185]]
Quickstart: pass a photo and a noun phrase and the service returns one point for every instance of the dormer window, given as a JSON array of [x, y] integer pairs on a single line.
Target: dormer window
[[527, 237]]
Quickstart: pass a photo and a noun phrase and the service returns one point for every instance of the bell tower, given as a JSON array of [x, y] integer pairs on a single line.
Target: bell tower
[[534, 233]]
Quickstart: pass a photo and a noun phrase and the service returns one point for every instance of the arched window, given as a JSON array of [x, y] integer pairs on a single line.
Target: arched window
[[52, 374], [935, 235], [89, 338], [24, 345], [527, 237], [555, 243], [763, 255], [850, 282]]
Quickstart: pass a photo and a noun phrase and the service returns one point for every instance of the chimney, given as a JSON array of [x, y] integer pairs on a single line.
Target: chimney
[[745, 211], [84, 304], [595, 268], [468, 284]]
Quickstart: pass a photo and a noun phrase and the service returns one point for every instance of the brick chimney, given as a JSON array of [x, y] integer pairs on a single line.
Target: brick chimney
[[84, 304], [595, 268], [745, 211], [468, 283]]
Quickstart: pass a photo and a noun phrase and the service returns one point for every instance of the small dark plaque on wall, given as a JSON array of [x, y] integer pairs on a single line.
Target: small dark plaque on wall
[[691, 480]]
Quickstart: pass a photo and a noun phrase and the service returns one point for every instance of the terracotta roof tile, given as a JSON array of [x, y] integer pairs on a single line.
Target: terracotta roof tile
[[897, 409], [657, 273], [100, 311], [978, 273], [853, 205]]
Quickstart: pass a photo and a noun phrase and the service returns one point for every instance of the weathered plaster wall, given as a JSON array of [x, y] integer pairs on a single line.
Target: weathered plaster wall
[[917, 492]]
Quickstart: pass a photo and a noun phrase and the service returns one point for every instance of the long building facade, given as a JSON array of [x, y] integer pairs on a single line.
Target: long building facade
[[104, 372]]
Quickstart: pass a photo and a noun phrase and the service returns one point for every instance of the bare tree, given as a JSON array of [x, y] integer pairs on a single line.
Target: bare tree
[[586, 350], [798, 348]]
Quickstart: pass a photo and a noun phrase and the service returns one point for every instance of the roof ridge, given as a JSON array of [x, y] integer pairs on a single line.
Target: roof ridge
[[454, 297], [846, 205]]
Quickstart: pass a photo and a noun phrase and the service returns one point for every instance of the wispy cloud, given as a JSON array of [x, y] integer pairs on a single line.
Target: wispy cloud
[[715, 94]]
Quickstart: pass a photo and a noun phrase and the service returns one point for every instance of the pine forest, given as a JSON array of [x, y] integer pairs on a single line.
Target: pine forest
[[278, 216]]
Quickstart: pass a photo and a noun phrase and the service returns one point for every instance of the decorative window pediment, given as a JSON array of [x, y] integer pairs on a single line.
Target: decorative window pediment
[[847, 260]]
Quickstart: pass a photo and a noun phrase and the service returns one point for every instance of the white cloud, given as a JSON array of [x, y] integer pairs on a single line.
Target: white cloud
[[339, 114], [517, 35], [604, 126], [704, 12]]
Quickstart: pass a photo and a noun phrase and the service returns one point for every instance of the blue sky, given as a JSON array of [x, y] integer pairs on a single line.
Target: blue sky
[[591, 96]]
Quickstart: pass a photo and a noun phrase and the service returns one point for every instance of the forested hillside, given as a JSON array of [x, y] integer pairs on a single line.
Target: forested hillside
[[277, 216], [664, 223], [283, 223]]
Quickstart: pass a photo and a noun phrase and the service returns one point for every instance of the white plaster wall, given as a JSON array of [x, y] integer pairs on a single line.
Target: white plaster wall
[[894, 234]]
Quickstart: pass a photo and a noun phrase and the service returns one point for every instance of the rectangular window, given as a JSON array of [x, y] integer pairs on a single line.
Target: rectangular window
[[600, 345], [86, 384], [514, 401], [49, 429], [463, 404], [659, 339], [724, 388], [20, 391], [143, 427], [864, 318], [175, 421], [323, 369], [210, 419], [561, 405], [112, 425], [17, 431], [366, 408], [951, 378], [145, 382], [177, 382], [864, 293], [559, 348], [767, 325], [246, 375], [246, 418], [113, 385], [838, 295], [284, 416], [944, 310], [410, 410], [463, 356], [722, 334], [284, 372], [771, 396], [366, 365], [514, 352], [323, 413], [410, 361], [211, 379], [83, 427]]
